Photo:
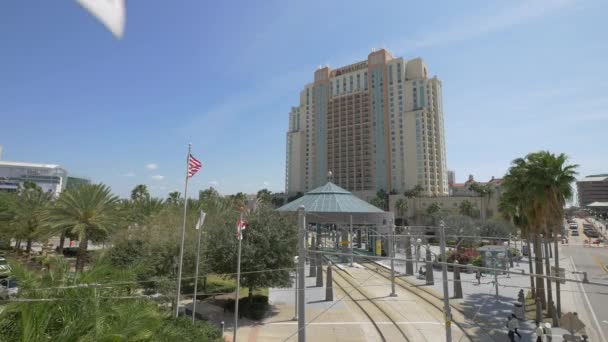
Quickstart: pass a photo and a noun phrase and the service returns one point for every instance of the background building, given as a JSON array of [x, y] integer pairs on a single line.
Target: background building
[[51, 178], [74, 182], [593, 188], [376, 124]]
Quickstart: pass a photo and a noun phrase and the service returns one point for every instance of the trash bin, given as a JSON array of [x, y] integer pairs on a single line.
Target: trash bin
[[519, 311]]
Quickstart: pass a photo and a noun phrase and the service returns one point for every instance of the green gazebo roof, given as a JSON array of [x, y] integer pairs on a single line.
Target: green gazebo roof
[[332, 204]]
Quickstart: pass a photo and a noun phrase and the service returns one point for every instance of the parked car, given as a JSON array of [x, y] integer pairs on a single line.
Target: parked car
[[8, 288], [5, 268], [574, 232]]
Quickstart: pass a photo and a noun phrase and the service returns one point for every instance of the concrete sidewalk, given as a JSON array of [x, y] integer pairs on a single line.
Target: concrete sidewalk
[[481, 304]]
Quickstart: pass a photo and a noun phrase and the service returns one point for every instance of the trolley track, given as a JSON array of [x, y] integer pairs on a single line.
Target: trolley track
[[386, 274], [367, 305]]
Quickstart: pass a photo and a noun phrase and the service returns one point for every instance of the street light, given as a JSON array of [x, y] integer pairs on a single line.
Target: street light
[[418, 243], [507, 257], [295, 286]]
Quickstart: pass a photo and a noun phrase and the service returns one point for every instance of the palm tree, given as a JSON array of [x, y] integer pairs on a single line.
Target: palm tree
[[466, 208], [485, 192], [83, 313], [512, 206], [551, 180], [519, 192], [89, 210], [401, 207], [540, 183], [29, 212], [174, 197], [140, 192]]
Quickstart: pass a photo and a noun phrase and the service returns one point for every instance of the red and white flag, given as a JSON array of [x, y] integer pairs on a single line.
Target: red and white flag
[[193, 165], [240, 225]]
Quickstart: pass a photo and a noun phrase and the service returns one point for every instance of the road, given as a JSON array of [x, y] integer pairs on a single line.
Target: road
[[592, 260]]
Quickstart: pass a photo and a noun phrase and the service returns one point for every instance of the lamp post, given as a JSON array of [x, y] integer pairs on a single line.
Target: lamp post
[[418, 243], [507, 257], [295, 286]]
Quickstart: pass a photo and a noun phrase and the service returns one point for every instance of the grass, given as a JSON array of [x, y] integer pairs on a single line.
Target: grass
[[217, 284]]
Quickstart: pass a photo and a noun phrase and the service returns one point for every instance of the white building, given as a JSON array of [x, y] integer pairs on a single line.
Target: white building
[[376, 124], [51, 178]]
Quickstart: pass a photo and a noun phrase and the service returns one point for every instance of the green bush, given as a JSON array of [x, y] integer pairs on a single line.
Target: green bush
[[182, 330], [477, 261], [254, 309]]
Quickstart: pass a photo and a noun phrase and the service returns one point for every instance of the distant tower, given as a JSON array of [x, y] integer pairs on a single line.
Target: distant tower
[[451, 177], [0, 152]]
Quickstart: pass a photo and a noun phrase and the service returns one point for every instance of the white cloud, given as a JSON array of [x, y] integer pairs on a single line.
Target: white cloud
[[266, 183], [485, 23], [128, 174], [158, 177], [151, 166], [214, 183]]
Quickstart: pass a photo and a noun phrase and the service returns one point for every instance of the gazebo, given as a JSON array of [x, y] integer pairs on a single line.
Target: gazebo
[[330, 206]]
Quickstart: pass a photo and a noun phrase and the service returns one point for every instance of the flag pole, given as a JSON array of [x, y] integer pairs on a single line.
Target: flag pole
[[199, 227], [238, 277], [181, 248]]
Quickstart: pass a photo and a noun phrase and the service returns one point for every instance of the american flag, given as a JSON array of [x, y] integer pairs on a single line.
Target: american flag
[[193, 166]]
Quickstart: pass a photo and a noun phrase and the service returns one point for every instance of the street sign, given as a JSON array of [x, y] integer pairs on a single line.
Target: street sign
[[378, 247], [571, 322], [561, 274]]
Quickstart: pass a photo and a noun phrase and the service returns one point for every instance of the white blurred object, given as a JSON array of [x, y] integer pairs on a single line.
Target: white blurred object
[[111, 13]]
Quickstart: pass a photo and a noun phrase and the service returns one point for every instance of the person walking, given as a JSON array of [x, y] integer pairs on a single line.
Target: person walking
[[478, 277], [514, 322], [539, 332], [511, 332], [548, 333]]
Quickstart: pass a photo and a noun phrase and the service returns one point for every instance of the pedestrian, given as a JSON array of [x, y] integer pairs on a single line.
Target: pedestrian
[[478, 277], [515, 325], [548, 332], [511, 332], [539, 332]]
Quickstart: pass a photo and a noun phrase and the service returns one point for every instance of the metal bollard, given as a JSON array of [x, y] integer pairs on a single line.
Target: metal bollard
[[222, 324], [585, 280]]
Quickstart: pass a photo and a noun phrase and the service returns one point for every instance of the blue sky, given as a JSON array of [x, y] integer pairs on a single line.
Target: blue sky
[[518, 76]]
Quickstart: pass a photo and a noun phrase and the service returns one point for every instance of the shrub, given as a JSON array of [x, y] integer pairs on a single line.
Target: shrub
[[477, 261], [254, 309], [462, 258]]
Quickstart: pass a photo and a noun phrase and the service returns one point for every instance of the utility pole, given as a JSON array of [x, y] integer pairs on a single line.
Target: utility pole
[[446, 295], [392, 254], [301, 275], [238, 277]]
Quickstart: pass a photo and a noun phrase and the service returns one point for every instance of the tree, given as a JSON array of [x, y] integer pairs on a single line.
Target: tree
[[550, 186], [29, 212], [277, 201], [497, 228], [69, 310], [139, 193], [264, 196], [485, 191], [401, 207], [295, 197], [88, 211], [433, 209], [466, 208], [536, 188], [414, 192], [377, 202], [269, 243], [174, 197], [208, 193]]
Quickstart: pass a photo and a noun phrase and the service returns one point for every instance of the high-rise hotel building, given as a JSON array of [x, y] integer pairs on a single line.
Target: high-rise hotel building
[[375, 124]]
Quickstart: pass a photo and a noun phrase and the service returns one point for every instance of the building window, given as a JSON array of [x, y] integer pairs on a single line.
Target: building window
[[365, 80], [358, 81], [390, 74]]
